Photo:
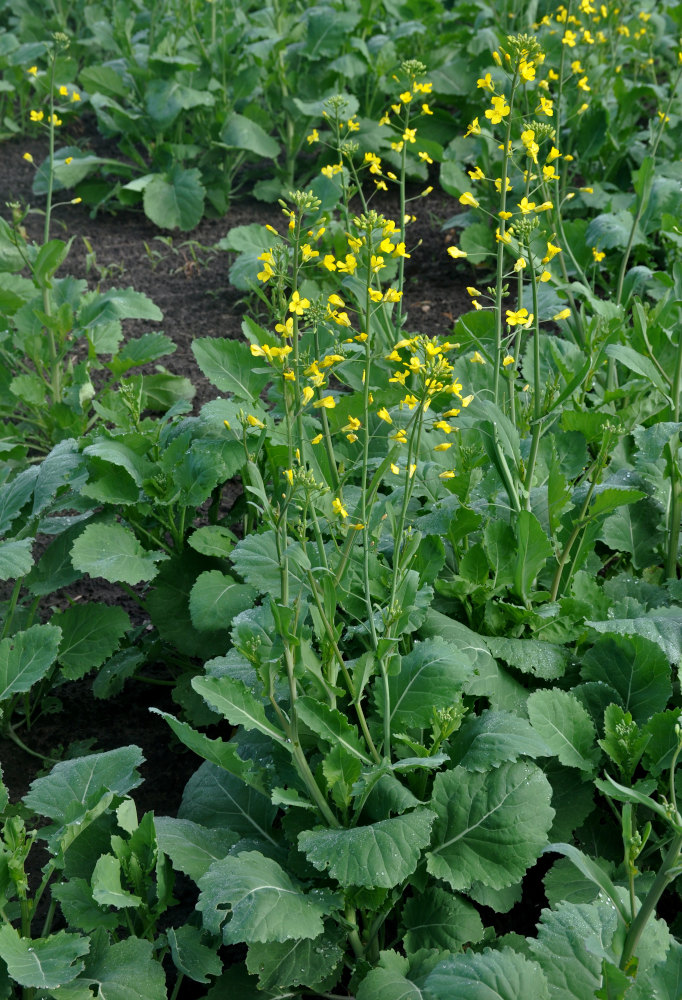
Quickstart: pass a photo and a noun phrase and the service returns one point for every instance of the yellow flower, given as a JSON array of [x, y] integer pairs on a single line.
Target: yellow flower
[[353, 424], [392, 295], [476, 174], [28, 157], [519, 318], [569, 39], [307, 252], [545, 276], [395, 469], [508, 360], [485, 82], [553, 154], [598, 255], [33, 70], [307, 394], [298, 305], [410, 135], [564, 314], [316, 439], [526, 206], [385, 119], [505, 215], [549, 173], [455, 252], [473, 291], [406, 97], [552, 251], [477, 358], [68, 160], [376, 263], [546, 107], [338, 507], [75, 96], [526, 71], [289, 473], [329, 262], [446, 475], [443, 425], [286, 329], [519, 264], [400, 436], [348, 265], [473, 129], [383, 414], [227, 424], [410, 401], [444, 446], [336, 300], [499, 110], [426, 110], [288, 375], [36, 116], [63, 91], [327, 402], [468, 199], [425, 157], [254, 421], [352, 125], [375, 295]]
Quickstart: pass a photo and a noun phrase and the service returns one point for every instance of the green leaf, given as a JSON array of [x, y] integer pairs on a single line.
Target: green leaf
[[190, 956], [440, 919], [634, 529], [26, 658], [662, 741], [74, 786], [80, 909], [610, 230], [429, 678], [237, 704], [228, 364], [491, 826], [255, 558], [212, 540], [637, 669], [216, 598], [565, 726], [639, 364], [216, 799], [16, 558], [542, 659], [573, 940], [240, 132], [493, 738], [118, 303], [295, 963], [389, 980], [14, 495], [331, 725], [216, 751], [663, 981], [90, 635], [593, 871], [492, 975], [175, 200], [611, 497], [125, 971], [48, 259], [533, 550], [666, 631], [265, 904], [382, 854], [192, 848], [42, 962], [114, 553], [615, 983], [106, 884]]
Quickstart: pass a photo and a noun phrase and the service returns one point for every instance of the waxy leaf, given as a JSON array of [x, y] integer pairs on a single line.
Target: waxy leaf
[[106, 884], [430, 678], [492, 975], [331, 725], [440, 919], [573, 940], [16, 558], [382, 854], [532, 656], [192, 848], [533, 550], [390, 980], [90, 635], [114, 553], [14, 495], [216, 799], [666, 631], [43, 962], [255, 558], [26, 657], [235, 702], [216, 598], [493, 738], [308, 962], [190, 956], [565, 726], [636, 667], [124, 971], [491, 826], [228, 364], [175, 200], [264, 902]]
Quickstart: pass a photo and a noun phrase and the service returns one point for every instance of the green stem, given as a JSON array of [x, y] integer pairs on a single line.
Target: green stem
[[499, 279], [537, 400], [665, 875]]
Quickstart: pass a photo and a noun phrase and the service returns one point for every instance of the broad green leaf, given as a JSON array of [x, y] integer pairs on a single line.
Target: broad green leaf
[[255, 558], [240, 132], [430, 678], [440, 919], [663, 981], [168, 606], [572, 798], [634, 529], [192, 848], [142, 350], [212, 540], [390, 980], [216, 799], [308, 962], [492, 975], [14, 495], [639, 364], [175, 200], [228, 364], [614, 982], [118, 303], [90, 635], [55, 569], [611, 497], [114, 553], [532, 656], [74, 786], [216, 598], [119, 454], [80, 909], [610, 230], [42, 962], [533, 550], [190, 956], [382, 854], [491, 826], [564, 883], [662, 741], [264, 903], [126, 970], [236, 703], [26, 658], [565, 726], [666, 631], [573, 939], [493, 738], [16, 558], [106, 884], [331, 725], [636, 667]]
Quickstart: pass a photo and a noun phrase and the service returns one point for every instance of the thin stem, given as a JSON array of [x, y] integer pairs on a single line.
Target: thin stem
[[499, 279], [537, 400], [665, 875]]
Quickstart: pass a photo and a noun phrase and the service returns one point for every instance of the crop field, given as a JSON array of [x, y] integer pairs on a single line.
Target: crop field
[[340, 500]]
